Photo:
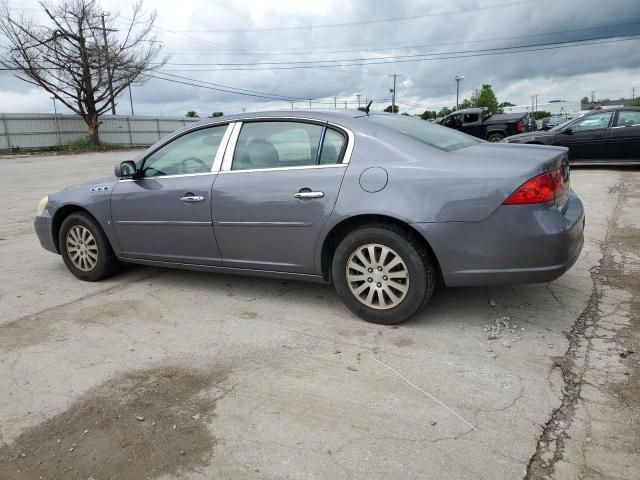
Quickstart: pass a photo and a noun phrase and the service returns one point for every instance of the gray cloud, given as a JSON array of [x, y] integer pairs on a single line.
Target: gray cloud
[[567, 73]]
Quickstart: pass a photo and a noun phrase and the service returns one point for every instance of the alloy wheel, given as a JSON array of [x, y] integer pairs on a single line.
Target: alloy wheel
[[377, 276], [82, 248]]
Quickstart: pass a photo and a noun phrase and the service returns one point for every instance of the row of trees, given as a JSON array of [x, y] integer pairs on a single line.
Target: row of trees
[[194, 114]]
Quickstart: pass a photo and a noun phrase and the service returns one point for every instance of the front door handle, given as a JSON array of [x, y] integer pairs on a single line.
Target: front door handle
[[191, 198], [308, 194]]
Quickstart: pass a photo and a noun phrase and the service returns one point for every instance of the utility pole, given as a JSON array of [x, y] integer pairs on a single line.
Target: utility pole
[[55, 110], [633, 93], [358, 95], [593, 96], [291, 105], [458, 79], [130, 102], [345, 104], [393, 92], [335, 102], [309, 103], [107, 54]]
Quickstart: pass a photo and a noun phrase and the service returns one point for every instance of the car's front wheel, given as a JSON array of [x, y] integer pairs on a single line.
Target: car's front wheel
[[85, 248], [383, 273]]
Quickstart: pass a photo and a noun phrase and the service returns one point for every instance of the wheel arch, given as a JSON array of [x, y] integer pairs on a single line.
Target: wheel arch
[[60, 215], [348, 225], [499, 131]]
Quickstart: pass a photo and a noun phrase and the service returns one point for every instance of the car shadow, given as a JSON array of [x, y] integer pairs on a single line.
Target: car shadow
[[450, 307]]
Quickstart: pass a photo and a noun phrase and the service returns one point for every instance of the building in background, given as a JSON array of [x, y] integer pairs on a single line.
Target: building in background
[[554, 108], [605, 102]]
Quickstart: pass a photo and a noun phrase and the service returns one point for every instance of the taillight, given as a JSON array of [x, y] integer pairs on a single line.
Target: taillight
[[544, 188], [520, 126]]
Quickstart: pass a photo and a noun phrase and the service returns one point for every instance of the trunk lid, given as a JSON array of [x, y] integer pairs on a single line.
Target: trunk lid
[[508, 166]]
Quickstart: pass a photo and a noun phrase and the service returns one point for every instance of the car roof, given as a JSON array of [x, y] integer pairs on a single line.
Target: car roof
[[335, 115], [468, 110]]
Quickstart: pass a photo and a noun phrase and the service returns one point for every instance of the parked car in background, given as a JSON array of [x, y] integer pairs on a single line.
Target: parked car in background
[[609, 136], [380, 205], [482, 124], [550, 122]]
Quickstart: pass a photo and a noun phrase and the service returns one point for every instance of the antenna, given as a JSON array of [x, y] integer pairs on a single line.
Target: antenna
[[366, 109]]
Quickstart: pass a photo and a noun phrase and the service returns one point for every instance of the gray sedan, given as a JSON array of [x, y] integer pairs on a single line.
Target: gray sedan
[[383, 206]]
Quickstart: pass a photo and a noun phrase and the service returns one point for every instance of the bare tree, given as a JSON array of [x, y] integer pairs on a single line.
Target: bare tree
[[80, 58]]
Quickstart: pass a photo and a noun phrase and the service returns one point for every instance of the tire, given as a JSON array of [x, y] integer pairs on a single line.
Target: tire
[[85, 248], [411, 293], [495, 137]]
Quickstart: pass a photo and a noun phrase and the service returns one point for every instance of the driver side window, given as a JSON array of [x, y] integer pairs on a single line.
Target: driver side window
[[593, 122], [191, 153]]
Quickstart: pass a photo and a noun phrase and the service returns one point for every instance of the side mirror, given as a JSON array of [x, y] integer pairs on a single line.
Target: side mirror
[[567, 131], [126, 169]]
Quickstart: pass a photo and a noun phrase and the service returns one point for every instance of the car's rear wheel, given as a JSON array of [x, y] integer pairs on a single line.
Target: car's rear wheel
[[495, 137], [85, 248], [383, 273]]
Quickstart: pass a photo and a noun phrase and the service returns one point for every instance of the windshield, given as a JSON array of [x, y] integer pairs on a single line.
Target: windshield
[[425, 132]]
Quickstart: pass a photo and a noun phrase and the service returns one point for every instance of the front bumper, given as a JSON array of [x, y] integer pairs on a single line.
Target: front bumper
[[516, 244], [44, 232]]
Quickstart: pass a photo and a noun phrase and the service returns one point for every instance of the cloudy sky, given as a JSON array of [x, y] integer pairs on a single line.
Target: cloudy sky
[[352, 46]]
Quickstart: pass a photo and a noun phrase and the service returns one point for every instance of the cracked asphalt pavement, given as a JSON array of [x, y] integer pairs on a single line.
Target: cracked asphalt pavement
[[171, 374]]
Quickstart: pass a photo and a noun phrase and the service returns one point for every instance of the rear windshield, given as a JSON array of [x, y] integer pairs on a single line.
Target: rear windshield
[[426, 132]]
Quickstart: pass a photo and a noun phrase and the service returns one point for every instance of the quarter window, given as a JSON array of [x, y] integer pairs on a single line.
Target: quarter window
[[276, 144], [628, 118], [331, 147], [592, 122], [191, 153]]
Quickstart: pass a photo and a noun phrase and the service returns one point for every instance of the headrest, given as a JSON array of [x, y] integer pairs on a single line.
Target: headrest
[[263, 154]]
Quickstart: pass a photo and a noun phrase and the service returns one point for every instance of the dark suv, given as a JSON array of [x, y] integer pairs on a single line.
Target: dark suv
[[606, 136]]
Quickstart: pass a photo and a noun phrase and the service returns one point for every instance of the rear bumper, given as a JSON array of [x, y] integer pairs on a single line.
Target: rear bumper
[[516, 244], [42, 227]]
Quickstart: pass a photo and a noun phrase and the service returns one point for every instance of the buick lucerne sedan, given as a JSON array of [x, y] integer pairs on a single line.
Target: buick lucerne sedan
[[383, 206]]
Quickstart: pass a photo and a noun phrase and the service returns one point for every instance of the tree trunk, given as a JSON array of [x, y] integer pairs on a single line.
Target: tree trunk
[[92, 130]]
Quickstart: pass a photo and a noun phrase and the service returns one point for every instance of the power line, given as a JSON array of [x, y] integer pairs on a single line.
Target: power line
[[422, 58], [242, 51], [417, 55], [239, 91], [288, 98], [419, 58], [359, 22]]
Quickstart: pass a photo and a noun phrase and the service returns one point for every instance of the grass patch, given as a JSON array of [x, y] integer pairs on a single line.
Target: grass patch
[[80, 145]]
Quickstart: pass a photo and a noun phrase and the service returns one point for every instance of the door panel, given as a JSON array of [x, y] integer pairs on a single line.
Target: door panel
[[588, 138], [165, 212], [259, 222], [153, 220], [625, 137]]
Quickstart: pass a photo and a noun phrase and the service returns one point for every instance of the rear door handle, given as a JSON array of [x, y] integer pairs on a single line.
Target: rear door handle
[[191, 198], [308, 194]]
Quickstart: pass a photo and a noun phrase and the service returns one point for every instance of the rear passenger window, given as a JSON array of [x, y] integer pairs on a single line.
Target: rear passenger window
[[276, 144], [470, 117], [331, 147], [628, 118]]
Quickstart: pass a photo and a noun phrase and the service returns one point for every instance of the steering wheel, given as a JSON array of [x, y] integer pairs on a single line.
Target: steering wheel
[[194, 165]]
